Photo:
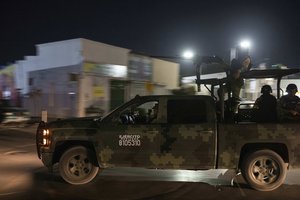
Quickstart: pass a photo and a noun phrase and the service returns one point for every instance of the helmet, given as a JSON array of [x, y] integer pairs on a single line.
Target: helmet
[[291, 87], [266, 89]]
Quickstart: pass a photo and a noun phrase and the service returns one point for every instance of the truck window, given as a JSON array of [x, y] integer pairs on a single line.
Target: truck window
[[143, 113], [184, 111], [146, 112]]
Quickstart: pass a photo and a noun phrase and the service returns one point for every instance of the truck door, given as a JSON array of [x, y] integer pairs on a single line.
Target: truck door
[[132, 136], [189, 134]]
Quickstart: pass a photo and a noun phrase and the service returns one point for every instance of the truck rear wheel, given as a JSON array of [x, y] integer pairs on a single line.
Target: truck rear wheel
[[76, 166], [264, 170]]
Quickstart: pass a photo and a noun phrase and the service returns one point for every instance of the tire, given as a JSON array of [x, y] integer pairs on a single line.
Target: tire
[[264, 170], [76, 166]]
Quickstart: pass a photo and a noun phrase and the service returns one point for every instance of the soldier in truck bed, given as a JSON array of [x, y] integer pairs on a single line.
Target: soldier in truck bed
[[289, 105], [235, 80], [265, 106]]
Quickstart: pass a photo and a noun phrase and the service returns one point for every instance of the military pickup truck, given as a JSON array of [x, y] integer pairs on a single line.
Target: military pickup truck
[[172, 132]]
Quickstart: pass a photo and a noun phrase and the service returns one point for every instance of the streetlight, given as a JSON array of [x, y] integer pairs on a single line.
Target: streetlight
[[244, 49], [188, 54], [240, 50], [245, 44]]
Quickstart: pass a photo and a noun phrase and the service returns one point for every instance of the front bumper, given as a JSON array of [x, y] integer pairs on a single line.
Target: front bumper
[[47, 159], [39, 137], [43, 152]]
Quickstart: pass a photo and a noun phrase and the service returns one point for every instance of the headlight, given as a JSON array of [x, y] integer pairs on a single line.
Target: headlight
[[43, 137], [46, 137]]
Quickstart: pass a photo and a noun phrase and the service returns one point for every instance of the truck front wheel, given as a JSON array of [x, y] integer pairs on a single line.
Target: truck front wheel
[[76, 165], [264, 170]]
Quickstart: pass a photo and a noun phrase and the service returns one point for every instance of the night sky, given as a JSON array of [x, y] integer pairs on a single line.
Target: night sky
[[156, 27]]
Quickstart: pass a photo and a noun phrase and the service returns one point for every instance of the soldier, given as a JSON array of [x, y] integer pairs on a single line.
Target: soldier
[[289, 105], [265, 106], [246, 64], [152, 114], [235, 80]]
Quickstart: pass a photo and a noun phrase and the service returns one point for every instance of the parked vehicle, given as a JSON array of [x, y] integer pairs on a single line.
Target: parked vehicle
[[13, 115], [185, 132]]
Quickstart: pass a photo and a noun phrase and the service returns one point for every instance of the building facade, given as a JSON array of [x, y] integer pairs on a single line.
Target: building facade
[[80, 77]]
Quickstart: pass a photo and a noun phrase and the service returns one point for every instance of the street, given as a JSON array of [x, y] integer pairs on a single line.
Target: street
[[22, 176]]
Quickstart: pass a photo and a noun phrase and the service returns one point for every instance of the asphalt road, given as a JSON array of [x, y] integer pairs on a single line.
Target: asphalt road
[[22, 176]]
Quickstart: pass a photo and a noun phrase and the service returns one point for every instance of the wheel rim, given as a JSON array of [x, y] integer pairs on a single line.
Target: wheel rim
[[265, 170], [79, 166]]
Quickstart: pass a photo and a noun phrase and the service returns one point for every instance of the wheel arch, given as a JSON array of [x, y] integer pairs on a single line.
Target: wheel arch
[[62, 146], [280, 148]]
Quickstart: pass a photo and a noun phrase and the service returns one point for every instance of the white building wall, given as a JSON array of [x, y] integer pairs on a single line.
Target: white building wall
[[61, 55], [165, 73], [49, 55], [75, 51], [20, 75], [55, 92], [57, 54], [103, 53], [23, 67]]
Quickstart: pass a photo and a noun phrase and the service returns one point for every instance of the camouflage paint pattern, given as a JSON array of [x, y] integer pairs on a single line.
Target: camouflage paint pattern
[[173, 146], [138, 143], [232, 137]]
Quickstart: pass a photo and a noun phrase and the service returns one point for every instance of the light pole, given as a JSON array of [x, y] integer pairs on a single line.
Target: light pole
[[240, 50]]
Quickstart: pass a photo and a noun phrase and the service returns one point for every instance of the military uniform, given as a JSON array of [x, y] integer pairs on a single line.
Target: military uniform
[[287, 103], [234, 86], [265, 108], [235, 80]]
